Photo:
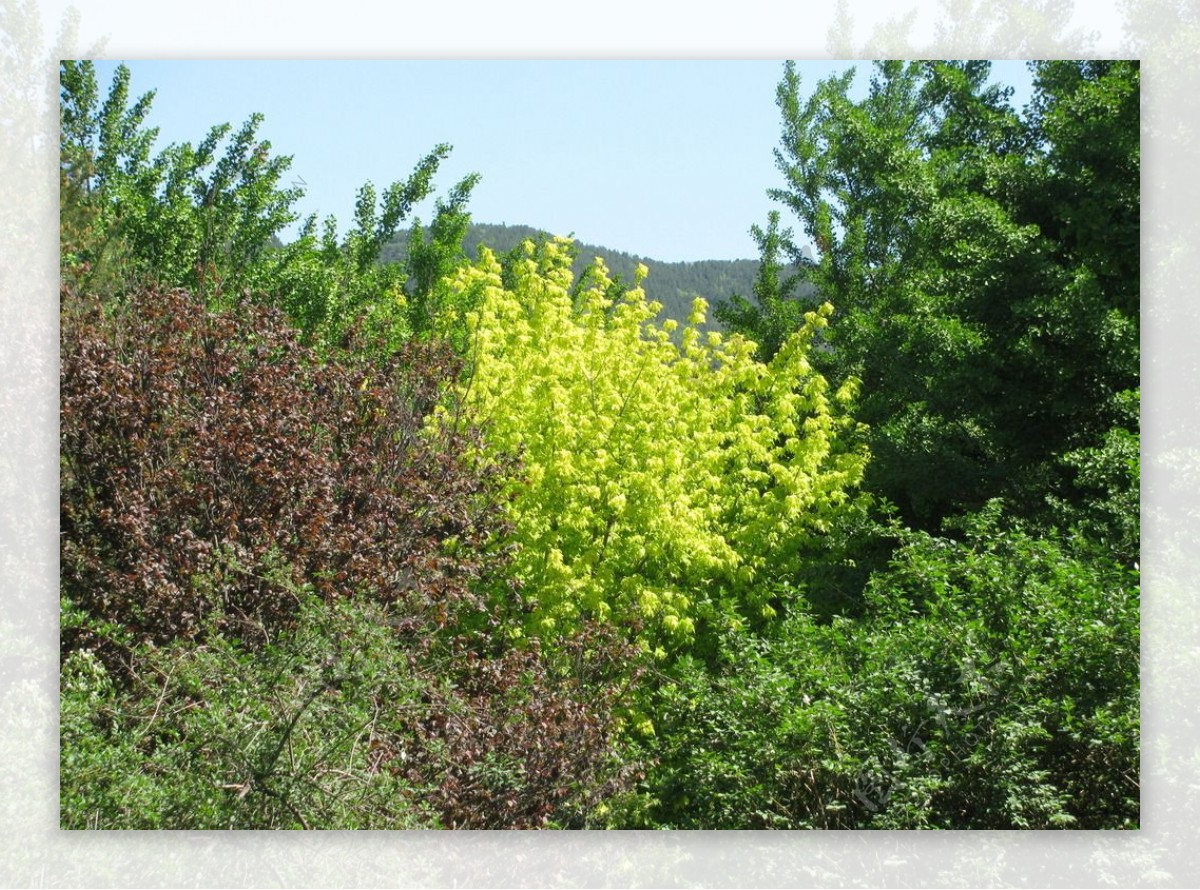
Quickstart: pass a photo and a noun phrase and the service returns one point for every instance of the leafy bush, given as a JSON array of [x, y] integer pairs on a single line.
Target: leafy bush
[[531, 739], [992, 683], [340, 722], [664, 488], [297, 734], [271, 578], [1104, 500], [1035, 714], [208, 460]]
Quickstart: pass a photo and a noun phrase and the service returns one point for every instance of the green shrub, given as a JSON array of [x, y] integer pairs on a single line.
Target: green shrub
[[991, 683], [298, 734]]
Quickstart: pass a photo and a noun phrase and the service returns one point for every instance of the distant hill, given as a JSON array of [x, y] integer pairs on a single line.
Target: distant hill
[[674, 285]]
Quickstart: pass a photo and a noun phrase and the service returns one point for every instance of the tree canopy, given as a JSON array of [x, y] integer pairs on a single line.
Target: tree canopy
[[984, 266]]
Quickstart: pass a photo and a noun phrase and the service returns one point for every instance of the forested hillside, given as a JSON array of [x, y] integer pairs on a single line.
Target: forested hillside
[[674, 285], [473, 535]]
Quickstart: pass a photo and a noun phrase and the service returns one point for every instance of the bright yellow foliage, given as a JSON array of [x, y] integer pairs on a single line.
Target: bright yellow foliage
[[662, 482]]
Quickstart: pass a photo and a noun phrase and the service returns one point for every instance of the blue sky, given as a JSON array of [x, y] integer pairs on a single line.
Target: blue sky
[[669, 160]]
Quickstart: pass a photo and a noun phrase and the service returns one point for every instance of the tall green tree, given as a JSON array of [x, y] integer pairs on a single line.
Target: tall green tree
[[776, 310], [327, 283], [92, 142], [983, 265], [193, 216], [432, 256], [208, 218]]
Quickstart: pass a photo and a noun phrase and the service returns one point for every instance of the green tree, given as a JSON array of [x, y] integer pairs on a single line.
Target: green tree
[[671, 489], [207, 217], [91, 146], [328, 284], [192, 216], [984, 267], [776, 311]]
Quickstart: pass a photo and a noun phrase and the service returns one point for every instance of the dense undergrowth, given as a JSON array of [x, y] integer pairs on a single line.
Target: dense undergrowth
[[480, 543], [273, 584]]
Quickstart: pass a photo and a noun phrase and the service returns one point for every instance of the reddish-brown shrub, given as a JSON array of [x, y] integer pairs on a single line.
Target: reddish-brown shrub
[[211, 464], [524, 740], [214, 472]]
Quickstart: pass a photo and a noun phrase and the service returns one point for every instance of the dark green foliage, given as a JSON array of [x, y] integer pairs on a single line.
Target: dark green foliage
[[747, 742], [1030, 647], [984, 266], [991, 683], [1086, 116], [777, 308], [1103, 504]]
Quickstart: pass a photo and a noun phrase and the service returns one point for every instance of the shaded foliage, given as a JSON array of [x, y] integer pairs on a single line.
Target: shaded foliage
[[989, 683], [984, 265]]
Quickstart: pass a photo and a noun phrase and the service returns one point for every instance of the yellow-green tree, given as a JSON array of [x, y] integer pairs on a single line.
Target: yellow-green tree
[[665, 486]]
